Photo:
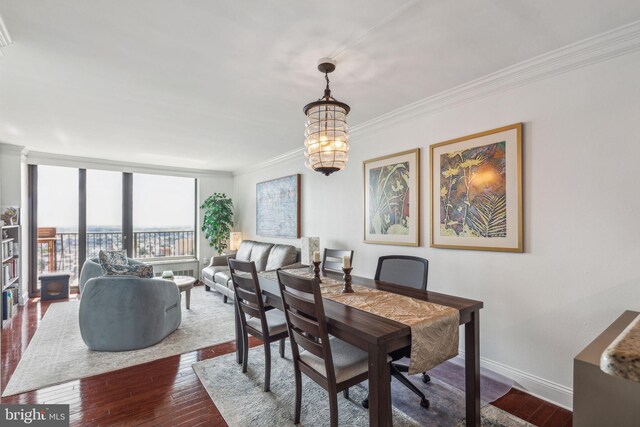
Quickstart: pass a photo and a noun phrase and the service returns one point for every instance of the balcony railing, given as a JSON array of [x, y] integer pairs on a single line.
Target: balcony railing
[[146, 244]]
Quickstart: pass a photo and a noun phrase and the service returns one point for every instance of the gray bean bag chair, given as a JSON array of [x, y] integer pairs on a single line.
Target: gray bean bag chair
[[119, 313]]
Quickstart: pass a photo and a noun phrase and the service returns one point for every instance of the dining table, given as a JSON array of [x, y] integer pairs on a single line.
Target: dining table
[[379, 336]]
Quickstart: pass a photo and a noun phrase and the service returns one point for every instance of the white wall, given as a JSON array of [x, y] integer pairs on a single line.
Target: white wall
[[10, 156], [582, 209]]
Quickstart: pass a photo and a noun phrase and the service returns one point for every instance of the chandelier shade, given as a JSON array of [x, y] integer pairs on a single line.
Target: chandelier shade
[[326, 130]]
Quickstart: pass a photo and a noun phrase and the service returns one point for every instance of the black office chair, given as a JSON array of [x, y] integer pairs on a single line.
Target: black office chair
[[332, 259], [412, 272]]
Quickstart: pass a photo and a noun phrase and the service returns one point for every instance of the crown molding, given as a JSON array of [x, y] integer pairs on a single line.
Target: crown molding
[[289, 155], [50, 159], [5, 38], [619, 41], [11, 148], [604, 46]]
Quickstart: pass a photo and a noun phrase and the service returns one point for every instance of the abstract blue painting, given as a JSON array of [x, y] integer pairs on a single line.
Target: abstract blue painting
[[278, 207]]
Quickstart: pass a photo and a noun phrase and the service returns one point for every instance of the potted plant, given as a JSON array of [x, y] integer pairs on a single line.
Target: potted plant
[[218, 220], [10, 216]]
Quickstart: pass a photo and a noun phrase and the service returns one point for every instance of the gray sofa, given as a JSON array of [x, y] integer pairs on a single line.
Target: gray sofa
[[120, 313], [267, 256]]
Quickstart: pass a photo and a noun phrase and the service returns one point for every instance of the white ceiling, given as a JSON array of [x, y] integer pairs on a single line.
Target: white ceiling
[[221, 84]]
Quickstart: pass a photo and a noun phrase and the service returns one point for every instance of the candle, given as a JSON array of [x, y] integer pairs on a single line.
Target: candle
[[346, 261], [316, 256]]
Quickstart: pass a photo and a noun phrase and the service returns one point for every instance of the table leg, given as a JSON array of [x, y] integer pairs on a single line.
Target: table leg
[[380, 414], [239, 340], [472, 369], [188, 295]]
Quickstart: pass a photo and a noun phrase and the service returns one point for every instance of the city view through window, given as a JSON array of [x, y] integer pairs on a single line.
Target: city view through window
[[163, 217]]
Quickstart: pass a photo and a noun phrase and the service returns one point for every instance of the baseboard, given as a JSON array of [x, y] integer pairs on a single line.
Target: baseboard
[[536, 386], [24, 298]]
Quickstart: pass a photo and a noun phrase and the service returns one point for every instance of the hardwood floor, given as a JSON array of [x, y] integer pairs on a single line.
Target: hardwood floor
[[167, 391], [531, 409]]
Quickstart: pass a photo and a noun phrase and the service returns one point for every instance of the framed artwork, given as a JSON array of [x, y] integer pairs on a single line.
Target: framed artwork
[[278, 207], [476, 191], [392, 199]]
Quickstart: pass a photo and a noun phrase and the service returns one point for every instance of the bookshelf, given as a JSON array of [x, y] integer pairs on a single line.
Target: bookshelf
[[11, 268]]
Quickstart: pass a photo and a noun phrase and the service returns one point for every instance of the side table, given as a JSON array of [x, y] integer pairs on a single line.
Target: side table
[[185, 284]]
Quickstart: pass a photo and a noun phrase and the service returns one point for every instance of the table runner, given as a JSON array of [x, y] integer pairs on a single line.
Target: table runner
[[434, 327]]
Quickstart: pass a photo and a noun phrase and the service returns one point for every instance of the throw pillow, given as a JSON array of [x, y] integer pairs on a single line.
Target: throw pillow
[[113, 257], [139, 270]]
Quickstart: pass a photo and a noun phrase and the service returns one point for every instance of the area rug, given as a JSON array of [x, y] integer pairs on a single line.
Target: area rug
[[57, 354], [241, 401]]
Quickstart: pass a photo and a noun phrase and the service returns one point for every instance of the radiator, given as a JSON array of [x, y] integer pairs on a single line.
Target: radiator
[[179, 267]]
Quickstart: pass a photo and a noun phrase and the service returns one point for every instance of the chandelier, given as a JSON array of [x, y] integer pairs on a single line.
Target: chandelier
[[326, 131]]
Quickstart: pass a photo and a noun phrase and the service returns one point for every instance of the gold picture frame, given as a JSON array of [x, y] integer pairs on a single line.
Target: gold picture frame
[[391, 187], [475, 185]]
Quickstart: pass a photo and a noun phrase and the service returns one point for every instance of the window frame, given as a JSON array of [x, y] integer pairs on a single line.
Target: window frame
[[127, 223]]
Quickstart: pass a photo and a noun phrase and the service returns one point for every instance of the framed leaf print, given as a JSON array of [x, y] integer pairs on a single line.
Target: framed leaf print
[[476, 191], [392, 199]]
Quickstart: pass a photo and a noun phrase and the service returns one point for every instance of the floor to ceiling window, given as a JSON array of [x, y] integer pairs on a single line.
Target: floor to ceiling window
[[104, 211], [57, 219], [80, 212], [163, 216]]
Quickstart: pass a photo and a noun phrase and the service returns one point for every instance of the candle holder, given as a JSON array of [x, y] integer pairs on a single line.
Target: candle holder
[[347, 289], [316, 270]]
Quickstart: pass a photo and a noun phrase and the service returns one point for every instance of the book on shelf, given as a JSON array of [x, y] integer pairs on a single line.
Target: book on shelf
[[8, 249], [7, 304], [9, 270]]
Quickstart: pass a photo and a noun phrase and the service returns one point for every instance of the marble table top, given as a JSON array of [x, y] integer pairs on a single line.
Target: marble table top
[[622, 357]]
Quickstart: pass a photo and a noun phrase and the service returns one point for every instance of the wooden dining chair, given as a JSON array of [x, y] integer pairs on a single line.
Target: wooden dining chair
[[268, 326], [332, 259], [332, 363], [412, 272]]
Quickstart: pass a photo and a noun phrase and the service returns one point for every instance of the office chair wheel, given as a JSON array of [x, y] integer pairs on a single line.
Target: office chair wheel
[[424, 403], [426, 378], [365, 403]]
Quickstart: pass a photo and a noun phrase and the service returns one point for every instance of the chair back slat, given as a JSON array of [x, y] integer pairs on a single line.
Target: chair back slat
[[242, 266], [306, 322], [403, 270], [308, 344], [250, 309], [305, 287], [332, 259], [244, 280], [299, 303], [248, 295]]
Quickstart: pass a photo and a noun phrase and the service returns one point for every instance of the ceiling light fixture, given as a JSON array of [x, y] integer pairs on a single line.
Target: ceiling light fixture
[[326, 133]]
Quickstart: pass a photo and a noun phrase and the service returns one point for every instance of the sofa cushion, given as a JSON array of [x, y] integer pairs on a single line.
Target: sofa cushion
[[260, 254], [210, 272], [281, 256], [223, 277], [244, 251], [140, 270]]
